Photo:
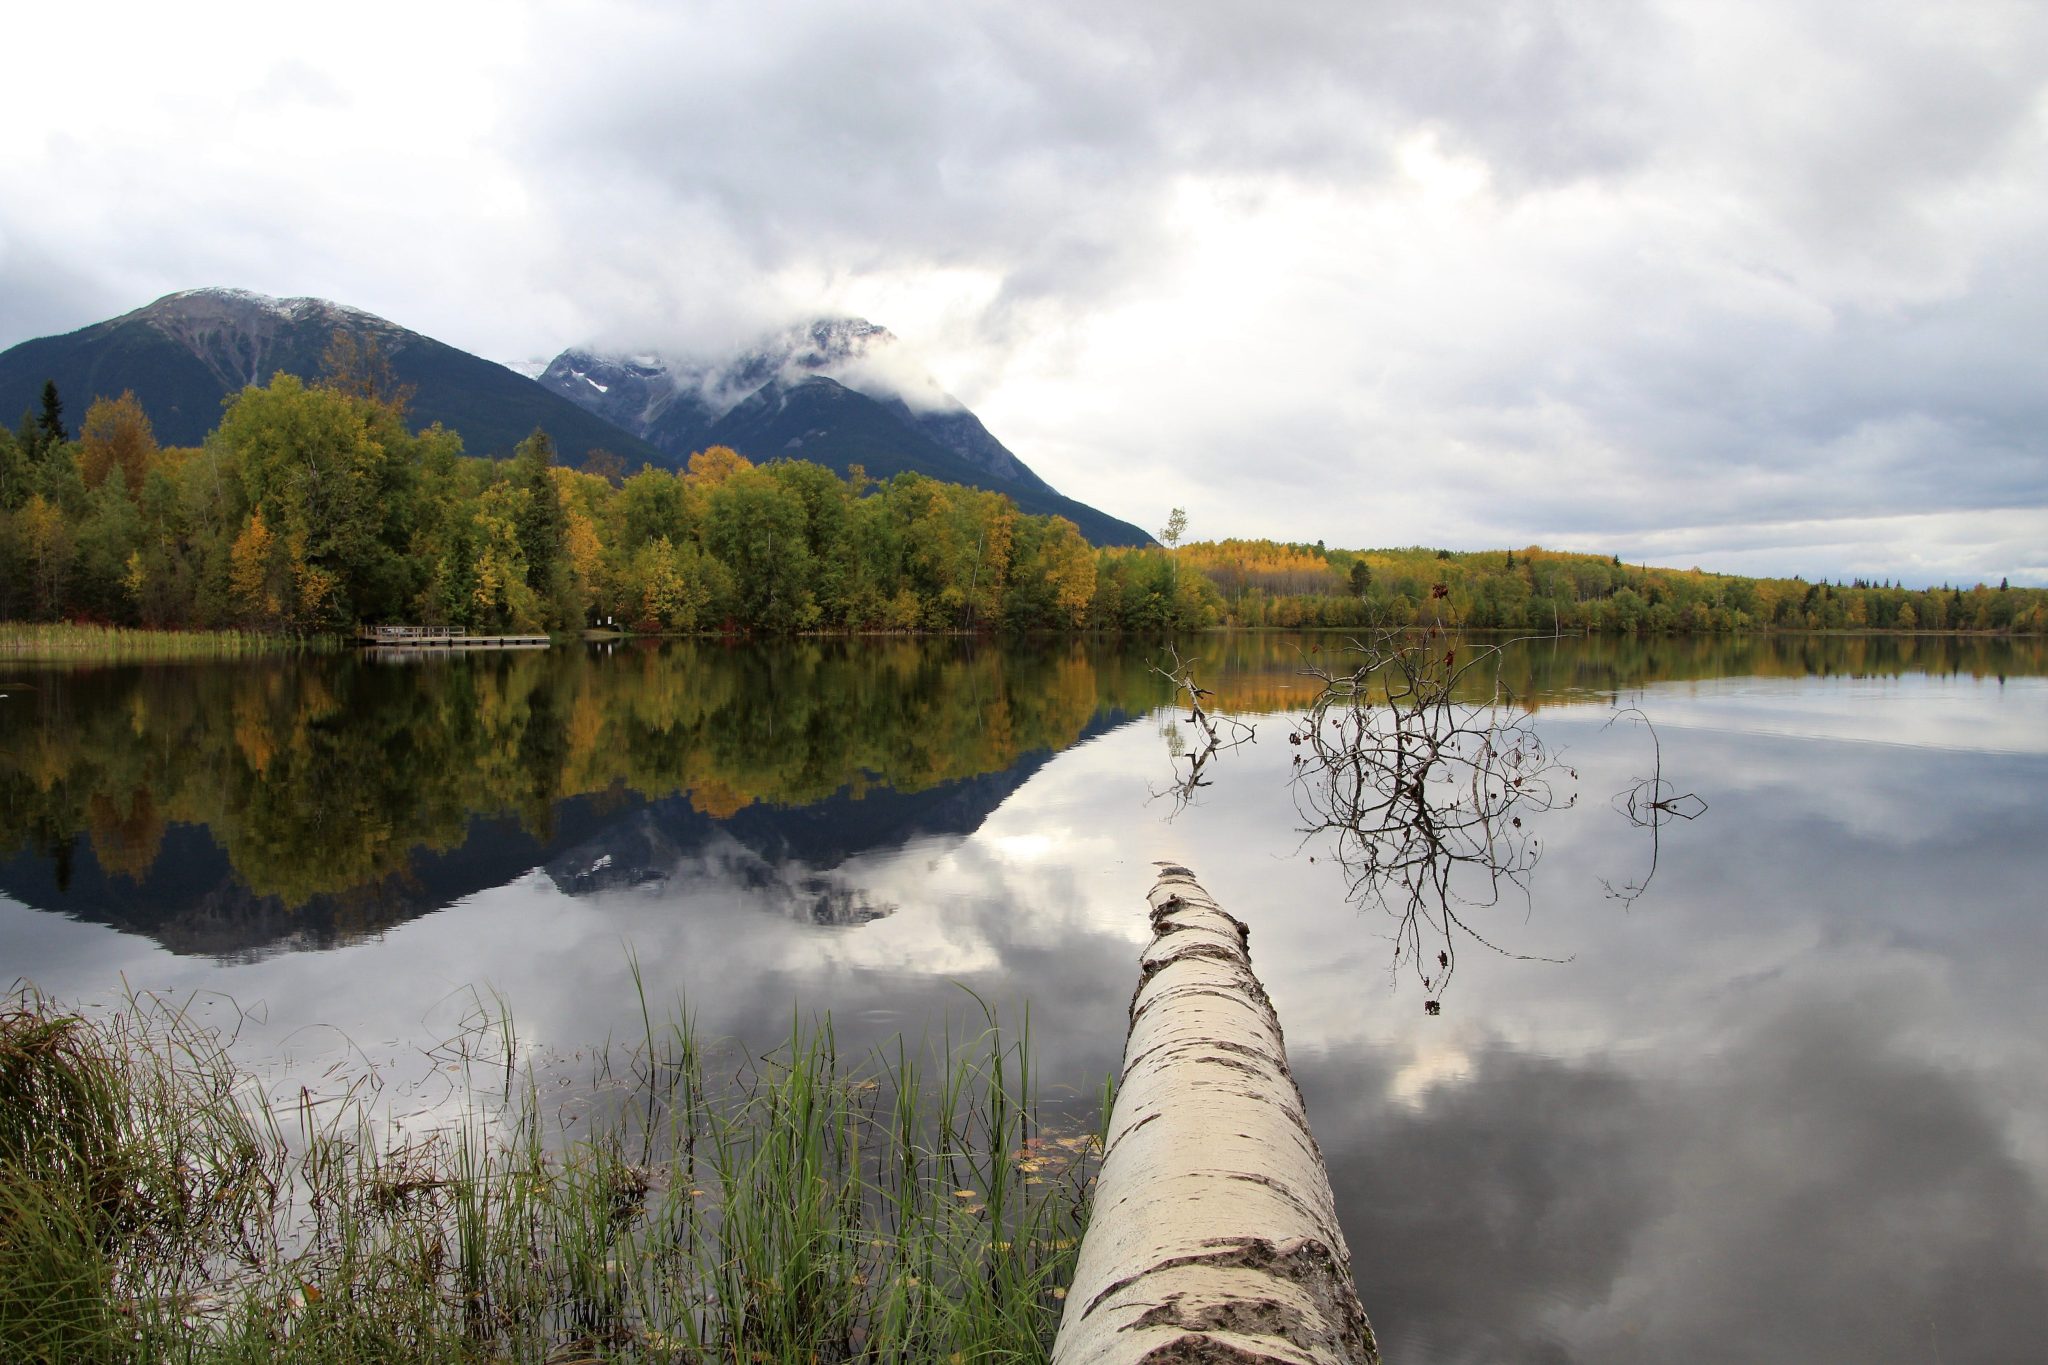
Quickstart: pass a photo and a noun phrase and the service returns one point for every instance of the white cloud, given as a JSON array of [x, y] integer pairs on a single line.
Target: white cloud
[[1372, 273]]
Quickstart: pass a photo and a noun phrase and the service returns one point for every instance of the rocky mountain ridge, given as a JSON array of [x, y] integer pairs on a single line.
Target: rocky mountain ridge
[[840, 391], [675, 402]]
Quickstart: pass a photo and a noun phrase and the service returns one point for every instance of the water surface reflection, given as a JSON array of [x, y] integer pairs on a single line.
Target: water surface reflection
[[1786, 1105]]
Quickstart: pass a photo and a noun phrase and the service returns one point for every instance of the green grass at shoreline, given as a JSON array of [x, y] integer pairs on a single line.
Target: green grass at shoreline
[[70, 640], [75, 642], [902, 1205]]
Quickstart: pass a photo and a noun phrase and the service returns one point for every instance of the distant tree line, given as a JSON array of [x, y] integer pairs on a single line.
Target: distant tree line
[[1272, 583], [313, 507]]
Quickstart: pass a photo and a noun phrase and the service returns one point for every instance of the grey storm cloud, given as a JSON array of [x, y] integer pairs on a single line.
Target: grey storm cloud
[[1041, 139], [1004, 132]]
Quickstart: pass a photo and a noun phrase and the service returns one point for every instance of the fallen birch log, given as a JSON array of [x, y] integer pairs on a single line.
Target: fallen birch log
[[1214, 1235]]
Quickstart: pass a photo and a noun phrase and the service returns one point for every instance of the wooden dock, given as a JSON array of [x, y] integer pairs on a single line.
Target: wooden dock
[[410, 638]]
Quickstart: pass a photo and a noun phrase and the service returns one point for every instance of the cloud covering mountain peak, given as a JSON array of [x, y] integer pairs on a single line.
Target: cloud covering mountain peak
[[858, 354]]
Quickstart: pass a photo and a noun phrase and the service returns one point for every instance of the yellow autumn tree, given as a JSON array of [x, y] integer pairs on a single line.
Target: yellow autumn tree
[[674, 586], [252, 578], [316, 589], [586, 558], [1070, 569], [713, 465], [501, 598], [116, 435]]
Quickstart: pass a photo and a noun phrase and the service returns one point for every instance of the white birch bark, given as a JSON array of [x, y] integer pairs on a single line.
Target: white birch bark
[[1214, 1235]]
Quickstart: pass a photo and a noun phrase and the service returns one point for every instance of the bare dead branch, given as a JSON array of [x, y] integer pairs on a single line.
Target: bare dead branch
[[1218, 734], [1647, 804], [1421, 767]]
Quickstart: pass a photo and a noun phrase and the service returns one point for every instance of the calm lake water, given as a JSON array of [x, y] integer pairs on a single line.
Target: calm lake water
[[1785, 1101]]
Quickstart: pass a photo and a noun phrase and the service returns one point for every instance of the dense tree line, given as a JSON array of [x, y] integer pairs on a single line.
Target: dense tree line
[[1270, 583], [314, 507]]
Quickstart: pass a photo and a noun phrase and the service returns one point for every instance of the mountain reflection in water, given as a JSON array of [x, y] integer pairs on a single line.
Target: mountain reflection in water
[[347, 796], [1785, 1105]]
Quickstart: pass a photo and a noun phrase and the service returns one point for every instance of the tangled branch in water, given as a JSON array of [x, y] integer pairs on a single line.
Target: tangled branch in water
[[1420, 766], [1219, 734], [1647, 804]]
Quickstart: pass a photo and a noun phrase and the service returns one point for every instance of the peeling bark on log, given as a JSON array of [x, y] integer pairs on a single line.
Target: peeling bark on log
[[1214, 1235]]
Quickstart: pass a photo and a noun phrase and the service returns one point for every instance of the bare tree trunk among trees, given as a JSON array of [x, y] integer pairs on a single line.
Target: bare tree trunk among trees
[[1214, 1235]]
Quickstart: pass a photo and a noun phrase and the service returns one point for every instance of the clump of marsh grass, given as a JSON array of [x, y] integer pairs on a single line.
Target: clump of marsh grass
[[59, 1106], [128, 1175], [694, 1201]]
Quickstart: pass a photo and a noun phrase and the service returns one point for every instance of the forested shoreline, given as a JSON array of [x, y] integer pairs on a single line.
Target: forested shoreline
[[313, 507], [1266, 583]]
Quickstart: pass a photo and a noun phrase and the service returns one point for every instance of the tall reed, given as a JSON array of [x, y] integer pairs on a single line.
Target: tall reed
[[128, 1175], [901, 1205]]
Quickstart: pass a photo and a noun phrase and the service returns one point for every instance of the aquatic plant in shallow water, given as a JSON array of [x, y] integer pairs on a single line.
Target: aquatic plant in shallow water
[[902, 1205]]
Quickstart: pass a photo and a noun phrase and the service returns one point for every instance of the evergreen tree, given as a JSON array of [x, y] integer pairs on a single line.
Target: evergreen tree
[[50, 424], [541, 525]]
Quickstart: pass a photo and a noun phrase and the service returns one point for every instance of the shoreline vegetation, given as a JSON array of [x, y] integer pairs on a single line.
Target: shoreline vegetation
[[88, 641], [696, 1201], [94, 642], [312, 508]]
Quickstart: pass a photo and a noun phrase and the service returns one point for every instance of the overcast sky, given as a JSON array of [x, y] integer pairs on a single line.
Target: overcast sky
[[1758, 287]]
